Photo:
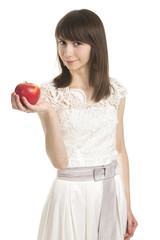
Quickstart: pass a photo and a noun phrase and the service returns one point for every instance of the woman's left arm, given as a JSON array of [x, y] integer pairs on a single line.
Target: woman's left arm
[[122, 159]]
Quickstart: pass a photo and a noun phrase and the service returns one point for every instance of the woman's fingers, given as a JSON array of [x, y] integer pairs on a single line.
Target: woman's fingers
[[16, 103], [41, 106], [19, 104], [130, 226], [135, 224], [13, 101], [28, 105], [127, 236]]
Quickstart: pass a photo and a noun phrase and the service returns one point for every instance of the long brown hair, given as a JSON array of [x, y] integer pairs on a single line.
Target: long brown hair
[[85, 26]]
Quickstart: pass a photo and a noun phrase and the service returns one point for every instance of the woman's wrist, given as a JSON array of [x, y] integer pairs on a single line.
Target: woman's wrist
[[129, 208], [127, 194]]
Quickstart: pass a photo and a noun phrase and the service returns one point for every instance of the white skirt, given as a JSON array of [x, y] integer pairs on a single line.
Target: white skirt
[[72, 210]]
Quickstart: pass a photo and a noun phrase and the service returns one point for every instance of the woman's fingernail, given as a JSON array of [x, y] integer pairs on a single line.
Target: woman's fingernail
[[13, 93], [130, 231]]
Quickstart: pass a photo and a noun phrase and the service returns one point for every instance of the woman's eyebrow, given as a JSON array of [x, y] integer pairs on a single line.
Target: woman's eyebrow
[[60, 38]]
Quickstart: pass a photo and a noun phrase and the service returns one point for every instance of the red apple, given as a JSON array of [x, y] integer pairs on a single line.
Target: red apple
[[28, 90]]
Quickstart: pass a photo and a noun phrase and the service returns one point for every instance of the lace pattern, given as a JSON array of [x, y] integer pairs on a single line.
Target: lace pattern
[[66, 98], [88, 130]]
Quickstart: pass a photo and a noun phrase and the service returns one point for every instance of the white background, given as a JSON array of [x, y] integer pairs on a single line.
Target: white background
[[28, 53]]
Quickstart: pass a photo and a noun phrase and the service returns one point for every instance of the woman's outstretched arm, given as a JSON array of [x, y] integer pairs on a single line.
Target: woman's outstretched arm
[[55, 147]]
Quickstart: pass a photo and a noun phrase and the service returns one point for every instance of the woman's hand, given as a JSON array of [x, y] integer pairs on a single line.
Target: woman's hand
[[42, 106], [131, 225]]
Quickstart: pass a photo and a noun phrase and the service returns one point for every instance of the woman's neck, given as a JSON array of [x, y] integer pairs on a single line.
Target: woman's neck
[[80, 80]]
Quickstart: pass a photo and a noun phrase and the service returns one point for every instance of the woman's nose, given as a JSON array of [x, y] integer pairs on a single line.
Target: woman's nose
[[68, 50]]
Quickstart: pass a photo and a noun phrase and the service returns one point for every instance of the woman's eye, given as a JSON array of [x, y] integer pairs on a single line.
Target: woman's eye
[[77, 43], [61, 42]]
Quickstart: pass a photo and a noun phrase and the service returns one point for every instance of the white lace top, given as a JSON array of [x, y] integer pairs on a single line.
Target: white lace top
[[88, 130]]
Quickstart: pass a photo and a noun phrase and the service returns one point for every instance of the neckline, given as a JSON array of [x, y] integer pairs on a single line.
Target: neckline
[[85, 97]]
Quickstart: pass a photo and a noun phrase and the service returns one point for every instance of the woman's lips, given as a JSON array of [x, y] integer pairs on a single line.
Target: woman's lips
[[71, 62]]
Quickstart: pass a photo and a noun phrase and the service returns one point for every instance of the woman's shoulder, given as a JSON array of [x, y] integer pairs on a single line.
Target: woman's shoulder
[[47, 86], [118, 91], [48, 89], [53, 94], [119, 88]]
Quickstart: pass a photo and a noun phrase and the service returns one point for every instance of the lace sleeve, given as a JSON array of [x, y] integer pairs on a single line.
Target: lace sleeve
[[119, 93], [49, 92]]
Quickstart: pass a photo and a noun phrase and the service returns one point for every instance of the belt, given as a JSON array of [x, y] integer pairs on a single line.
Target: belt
[[108, 217]]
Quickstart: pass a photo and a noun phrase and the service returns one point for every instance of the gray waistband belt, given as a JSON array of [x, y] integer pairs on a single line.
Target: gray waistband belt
[[108, 218]]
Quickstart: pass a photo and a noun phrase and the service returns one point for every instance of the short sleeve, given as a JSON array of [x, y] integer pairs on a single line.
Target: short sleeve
[[119, 92], [49, 92]]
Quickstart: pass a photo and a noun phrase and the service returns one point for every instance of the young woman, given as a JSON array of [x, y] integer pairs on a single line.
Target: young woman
[[81, 112]]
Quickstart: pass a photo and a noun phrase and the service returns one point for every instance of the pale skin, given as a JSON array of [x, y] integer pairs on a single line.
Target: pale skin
[[75, 56], [124, 164]]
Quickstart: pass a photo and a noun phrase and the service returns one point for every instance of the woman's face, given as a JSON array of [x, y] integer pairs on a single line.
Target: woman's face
[[75, 55]]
